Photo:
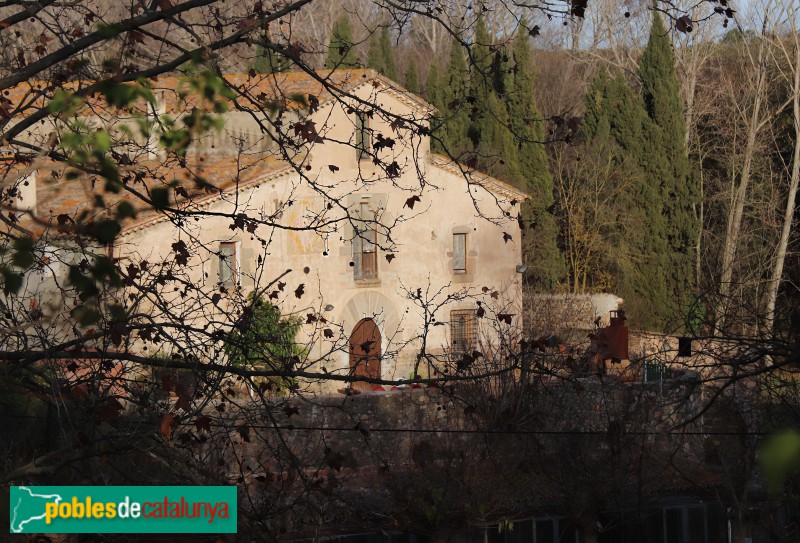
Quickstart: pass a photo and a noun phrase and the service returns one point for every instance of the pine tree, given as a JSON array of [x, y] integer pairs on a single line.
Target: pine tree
[[341, 50], [455, 110], [411, 79], [669, 158], [380, 56], [546, 267]]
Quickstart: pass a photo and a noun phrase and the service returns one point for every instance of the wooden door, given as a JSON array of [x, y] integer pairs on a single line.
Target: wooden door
[[365, 353]]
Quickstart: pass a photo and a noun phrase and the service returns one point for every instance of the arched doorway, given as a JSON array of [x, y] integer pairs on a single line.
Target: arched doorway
[[365, 353]]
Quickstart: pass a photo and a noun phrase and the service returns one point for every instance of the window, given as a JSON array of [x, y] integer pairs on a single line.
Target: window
[[459, 253], [228, 262], [365, 253], [363, 144], [462, 330]]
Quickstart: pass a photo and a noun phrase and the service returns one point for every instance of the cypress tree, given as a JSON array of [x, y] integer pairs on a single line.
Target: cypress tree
[[341, 49], [433, 94], [596, 118], [669, 159], [498, 151], [481, 116], [659, 226], [411, 79], [660, 88], [454, 110], [546, 266], [616, 118], [495, 145], [374, 55], [380, 56], [611, 103], [388, 55]]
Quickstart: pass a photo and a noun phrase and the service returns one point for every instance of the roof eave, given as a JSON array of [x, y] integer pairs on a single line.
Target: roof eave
[[501, 188]]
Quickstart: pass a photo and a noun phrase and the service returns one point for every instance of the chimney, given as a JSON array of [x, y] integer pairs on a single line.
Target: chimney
[[614, 337], [26, 193]]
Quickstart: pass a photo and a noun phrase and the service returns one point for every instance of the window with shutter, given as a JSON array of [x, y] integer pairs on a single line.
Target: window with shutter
[[228, 262], [459, 253], [363, 143], [365, 252]]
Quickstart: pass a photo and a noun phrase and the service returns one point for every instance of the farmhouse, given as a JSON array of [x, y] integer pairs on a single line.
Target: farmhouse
[[350, 225]]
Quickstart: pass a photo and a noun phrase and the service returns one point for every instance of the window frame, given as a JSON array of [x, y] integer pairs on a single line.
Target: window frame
[[365, 247], [234, 277], [465, 322], [363, 140], [463, 268]]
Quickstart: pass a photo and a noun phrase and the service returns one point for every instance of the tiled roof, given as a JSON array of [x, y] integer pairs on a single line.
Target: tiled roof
[[55, 196], [228, 174], [289, 89], [293, 89], [224, 173]]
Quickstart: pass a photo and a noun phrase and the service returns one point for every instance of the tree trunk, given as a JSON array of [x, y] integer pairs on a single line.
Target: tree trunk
[[698, 261], [788, 216], [739, 197]]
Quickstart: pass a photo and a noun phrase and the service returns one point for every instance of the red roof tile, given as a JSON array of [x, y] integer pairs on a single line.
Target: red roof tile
[[289, 89], [57, 196]]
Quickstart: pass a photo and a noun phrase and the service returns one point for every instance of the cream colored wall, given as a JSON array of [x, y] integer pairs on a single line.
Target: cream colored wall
[[423, 241]]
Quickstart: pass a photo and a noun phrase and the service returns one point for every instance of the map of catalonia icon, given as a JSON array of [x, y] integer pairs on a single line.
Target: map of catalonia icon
[[29, 509]]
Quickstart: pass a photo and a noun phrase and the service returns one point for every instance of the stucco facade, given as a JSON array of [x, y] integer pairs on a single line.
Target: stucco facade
[[331, 208]]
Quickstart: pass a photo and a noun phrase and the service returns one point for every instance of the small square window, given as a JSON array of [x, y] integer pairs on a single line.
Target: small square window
[[459, 253], [228, 262]]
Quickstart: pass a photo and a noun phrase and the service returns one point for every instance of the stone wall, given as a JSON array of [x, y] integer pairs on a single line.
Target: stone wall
[[433, 459]]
